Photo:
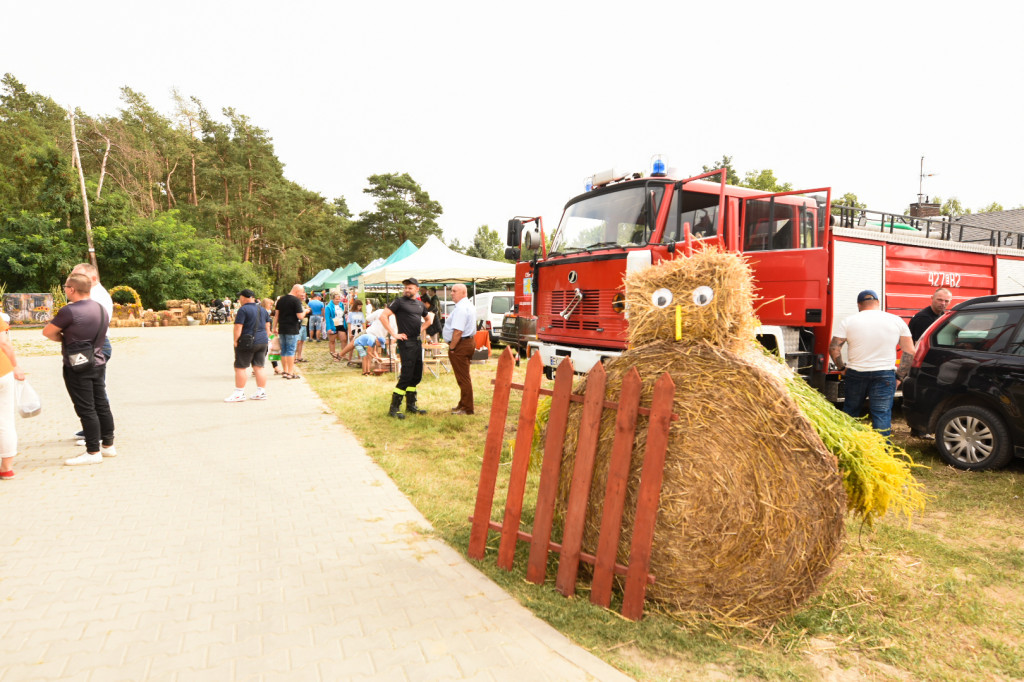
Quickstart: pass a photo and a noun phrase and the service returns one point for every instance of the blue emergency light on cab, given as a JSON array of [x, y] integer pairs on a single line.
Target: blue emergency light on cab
[[658, 166]]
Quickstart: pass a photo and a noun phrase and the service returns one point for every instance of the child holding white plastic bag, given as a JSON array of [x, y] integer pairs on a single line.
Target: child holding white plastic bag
[[9, 373]]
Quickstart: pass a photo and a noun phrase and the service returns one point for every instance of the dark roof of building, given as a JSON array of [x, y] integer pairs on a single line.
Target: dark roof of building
[[1001, 226]]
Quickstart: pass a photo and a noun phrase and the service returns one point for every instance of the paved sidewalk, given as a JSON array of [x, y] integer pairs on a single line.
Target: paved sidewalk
[[251, 541]]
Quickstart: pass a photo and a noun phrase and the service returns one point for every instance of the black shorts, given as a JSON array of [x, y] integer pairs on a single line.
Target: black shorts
[[255, 357]]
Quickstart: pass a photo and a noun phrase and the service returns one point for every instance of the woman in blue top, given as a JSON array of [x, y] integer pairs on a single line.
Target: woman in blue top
[[334, 314]]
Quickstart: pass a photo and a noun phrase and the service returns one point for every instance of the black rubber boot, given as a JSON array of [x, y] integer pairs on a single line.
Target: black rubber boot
[[410, 404], [396, 406]]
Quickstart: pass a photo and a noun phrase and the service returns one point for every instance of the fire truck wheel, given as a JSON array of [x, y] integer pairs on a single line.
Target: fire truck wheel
[[973, 437]]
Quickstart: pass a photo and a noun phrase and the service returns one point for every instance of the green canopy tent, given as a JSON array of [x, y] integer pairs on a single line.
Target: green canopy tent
[[339, 278], [317, 281]]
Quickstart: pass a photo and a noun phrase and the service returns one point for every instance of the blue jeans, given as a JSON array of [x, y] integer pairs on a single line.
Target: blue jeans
[[288, 345], [880, 388]]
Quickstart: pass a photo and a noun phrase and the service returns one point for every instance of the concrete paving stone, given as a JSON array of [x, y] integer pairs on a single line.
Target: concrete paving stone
[[272, 663], [176, 630], [121, 673], [369, 643], [87, 661], [349, 668], [161, 666], [36, 670], [433, 670], [424, 631], [401, 656], [473, 660], [259, 626], [221, 673], [63, 649], [310, 656], [191, 641], [285, 641], [246, 648]]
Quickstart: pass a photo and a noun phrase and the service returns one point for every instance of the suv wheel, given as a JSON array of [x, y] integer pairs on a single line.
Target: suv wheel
[[973, 437]]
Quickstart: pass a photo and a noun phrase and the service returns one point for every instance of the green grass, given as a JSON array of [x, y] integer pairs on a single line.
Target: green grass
[[939, 598]]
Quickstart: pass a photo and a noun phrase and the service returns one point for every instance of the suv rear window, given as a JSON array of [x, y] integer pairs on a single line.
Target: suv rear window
[[981, 330]]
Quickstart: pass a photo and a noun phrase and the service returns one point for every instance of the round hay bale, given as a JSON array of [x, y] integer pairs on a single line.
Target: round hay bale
[[750, 520]]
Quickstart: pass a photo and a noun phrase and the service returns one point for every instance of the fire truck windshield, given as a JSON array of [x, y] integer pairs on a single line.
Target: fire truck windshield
[[617, 218]]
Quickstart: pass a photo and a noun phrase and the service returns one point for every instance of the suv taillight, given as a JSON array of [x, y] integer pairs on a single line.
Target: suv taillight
[[924, 343], [922, 350]]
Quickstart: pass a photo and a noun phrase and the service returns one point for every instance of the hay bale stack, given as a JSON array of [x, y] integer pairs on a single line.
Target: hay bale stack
[[752, 507]]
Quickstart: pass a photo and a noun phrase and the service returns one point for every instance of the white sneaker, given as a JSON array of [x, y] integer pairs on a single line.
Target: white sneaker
[[108, 452], [85, 458], [80, 442], [259, 395], [236, 397]]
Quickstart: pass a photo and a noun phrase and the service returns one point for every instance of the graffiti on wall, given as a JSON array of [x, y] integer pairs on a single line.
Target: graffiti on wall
[[29, 308]]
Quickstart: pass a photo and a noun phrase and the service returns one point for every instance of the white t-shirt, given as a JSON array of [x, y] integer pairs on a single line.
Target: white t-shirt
[[374, 325], [872, 337], [100, 295]]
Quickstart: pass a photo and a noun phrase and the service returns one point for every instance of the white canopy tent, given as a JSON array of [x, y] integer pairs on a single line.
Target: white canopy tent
[[435, 262]]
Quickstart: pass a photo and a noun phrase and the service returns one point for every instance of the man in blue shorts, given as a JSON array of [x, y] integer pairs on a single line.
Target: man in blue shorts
[[252, 339], [288, 315]]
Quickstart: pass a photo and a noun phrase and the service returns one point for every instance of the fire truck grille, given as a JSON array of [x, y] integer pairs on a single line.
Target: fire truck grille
[[584, 315]]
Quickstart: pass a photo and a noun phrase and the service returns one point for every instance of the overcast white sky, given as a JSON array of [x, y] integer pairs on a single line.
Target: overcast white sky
[[503, 109]]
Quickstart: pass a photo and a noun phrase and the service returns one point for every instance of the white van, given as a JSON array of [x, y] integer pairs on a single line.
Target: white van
[[490, 311]]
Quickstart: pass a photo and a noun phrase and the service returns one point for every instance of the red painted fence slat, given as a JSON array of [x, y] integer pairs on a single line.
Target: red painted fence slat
[[582, 473], [651, 474], [492, 456], [615, 490], [520, 463], [551, 468]]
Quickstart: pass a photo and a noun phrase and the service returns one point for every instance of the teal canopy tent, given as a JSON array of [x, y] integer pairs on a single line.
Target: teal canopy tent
[[339, 278], [317, 281]]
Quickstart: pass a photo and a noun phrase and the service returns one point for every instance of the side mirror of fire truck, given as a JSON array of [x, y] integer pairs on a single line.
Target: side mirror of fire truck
[[512, 253], [515, 231]]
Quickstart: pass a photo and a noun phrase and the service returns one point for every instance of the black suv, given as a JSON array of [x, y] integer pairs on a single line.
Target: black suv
[[966, 384]]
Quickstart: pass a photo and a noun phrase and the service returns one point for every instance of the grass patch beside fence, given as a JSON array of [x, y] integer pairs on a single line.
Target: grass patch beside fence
[[941, 598]]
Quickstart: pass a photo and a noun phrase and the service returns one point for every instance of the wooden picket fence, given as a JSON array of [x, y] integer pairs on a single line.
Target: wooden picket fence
[[570, 551]]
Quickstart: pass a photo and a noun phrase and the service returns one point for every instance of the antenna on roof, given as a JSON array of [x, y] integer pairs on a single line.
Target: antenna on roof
[[921, 198]]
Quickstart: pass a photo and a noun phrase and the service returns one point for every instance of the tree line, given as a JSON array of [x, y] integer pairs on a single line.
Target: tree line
[[186, 205]]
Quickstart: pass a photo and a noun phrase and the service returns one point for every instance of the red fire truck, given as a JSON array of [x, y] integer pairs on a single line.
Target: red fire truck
[[808, 265]]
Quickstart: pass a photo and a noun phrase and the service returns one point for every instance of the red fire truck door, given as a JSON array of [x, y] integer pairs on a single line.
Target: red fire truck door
[[783, 236]]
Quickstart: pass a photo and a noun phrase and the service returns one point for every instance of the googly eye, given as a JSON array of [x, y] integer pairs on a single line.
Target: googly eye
[[703, 295], [661, 298]]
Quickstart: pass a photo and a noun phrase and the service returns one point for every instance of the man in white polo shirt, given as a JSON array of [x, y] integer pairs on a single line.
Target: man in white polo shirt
[[459, 329], [870, 370]]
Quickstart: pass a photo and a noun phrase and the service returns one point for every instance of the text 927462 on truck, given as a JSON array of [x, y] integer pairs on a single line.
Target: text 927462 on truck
[[808, 264]]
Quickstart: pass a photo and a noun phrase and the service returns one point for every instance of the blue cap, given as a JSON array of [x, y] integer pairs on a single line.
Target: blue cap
[[382, 340], [867, 295]]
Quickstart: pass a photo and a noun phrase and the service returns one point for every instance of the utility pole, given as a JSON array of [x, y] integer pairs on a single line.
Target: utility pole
[[77, 160]]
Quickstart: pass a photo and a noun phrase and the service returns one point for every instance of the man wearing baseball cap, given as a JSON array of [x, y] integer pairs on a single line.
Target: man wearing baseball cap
[[252, 338], [408, 312], [870, 368]]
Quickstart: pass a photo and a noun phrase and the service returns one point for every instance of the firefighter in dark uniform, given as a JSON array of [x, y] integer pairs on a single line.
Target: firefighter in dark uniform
[[408, 312]]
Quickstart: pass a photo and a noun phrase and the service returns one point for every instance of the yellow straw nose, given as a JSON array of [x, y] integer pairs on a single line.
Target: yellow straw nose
[[679, 322]]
